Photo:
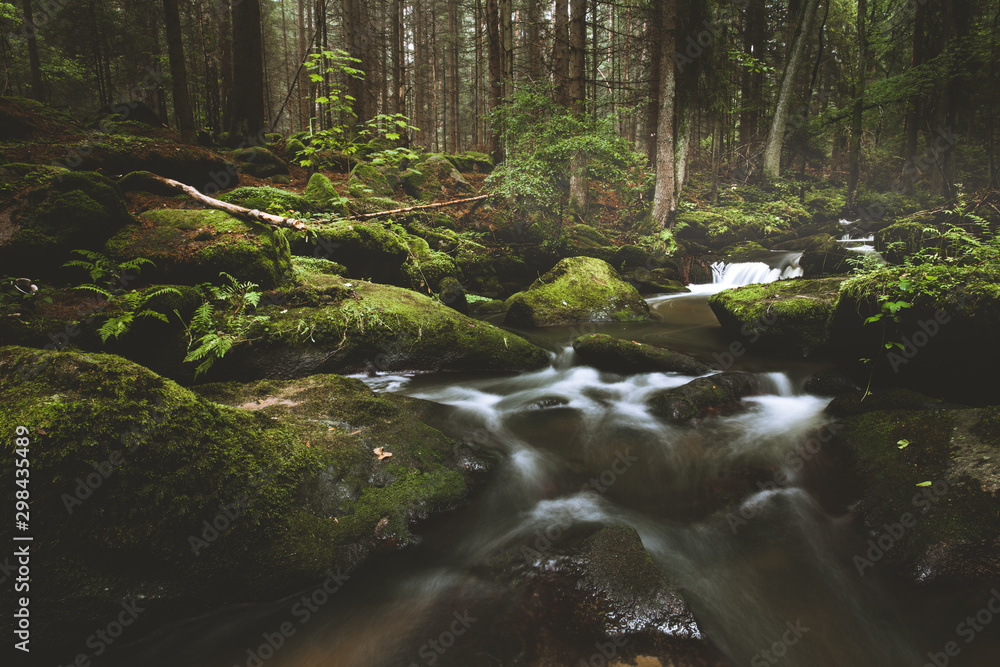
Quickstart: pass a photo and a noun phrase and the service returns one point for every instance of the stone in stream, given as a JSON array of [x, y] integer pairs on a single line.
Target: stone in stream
[[925, 476], [577, 289], [704, 395], [185, 502], [788, 315], [608, 353]]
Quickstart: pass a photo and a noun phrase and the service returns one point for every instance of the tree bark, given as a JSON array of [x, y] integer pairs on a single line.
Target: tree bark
[[178, 71], [34, 64], [577, 92], [752, 81], [654, 38], [493, 48], [354, 32], [248, 73], [453, 110], [913, 112], [665, 197], [533, 69], [857, 115], [779, 125], [560, 53]]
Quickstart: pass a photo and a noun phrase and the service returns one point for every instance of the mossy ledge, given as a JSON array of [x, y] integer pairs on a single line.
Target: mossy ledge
[[128, 466]]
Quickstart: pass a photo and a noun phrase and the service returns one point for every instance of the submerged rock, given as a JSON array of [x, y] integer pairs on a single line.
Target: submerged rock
[[789, 315], [142, 490], [704, 396], [577, 289], [608, 353]]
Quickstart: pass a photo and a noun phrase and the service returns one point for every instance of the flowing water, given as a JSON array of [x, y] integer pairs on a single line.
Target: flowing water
[[776, 557]]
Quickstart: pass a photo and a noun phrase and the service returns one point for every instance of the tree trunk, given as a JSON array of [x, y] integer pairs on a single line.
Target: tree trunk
[[419, 74], [533, 68], [398, 62], [453, 23], [654, 38], [493, 48], [857, 116], [178, 71], [577, 94], [354, 37], [560, 53], [248, 73], [665, 196], [752, 81], [776, 136], [33, 62]]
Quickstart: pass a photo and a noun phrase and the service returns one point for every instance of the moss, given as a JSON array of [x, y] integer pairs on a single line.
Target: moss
[[625, 356], [471, 161], [367, 249], [902, 239], [577, 289], [258, 162], [69, 210], [417, 184], [321, 193], [293, 147], [192, 246], [426, 268], [309, 266], [787, 314], [302, 455], [365, 177], [263, 198]]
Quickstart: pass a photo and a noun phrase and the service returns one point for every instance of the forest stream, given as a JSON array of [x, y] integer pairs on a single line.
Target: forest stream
[[770, 578]]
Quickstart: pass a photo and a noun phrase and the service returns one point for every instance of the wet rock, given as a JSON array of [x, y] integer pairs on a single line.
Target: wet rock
[[926, 482], [208, 504], [829, 257], [830, 383], [577, 289], [194, 246], [704, 396], [608, 353], [815, 242], [789, 315]]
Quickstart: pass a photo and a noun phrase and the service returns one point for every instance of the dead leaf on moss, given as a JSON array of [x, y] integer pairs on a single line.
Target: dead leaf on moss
[[381, 453]]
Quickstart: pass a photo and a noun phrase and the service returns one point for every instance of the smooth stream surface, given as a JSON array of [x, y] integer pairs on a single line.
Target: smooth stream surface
[[747, 582]]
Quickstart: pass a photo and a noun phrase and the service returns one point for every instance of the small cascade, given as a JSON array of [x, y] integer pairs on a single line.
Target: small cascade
[[728, 275], [857, 241]]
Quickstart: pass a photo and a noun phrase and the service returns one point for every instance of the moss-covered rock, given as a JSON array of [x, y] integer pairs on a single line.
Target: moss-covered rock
[[829, 257], [452, 294], [367, 249], [262, 198], [23, 118], [362, 326], [927, 478], [426, 268], [324, 196], [470, 161], [418, 184], [791, 315], [813, 242], [608, 353], [694, 225], [143, 490], [441, 177], [901, 239], [194, 246], [369, 180], [259, 162], [293, 147], [56, 211], [745, 251], [705, 396], [577, 289]]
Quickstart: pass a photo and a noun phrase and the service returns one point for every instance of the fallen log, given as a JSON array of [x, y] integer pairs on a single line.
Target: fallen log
[[366, 216], [232, 209]]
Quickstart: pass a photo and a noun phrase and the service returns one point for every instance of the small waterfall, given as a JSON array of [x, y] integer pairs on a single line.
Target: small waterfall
[[727, 275], [855, 240]]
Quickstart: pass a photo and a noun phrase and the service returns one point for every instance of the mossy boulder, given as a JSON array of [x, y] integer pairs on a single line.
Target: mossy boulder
[[134, 111], [813, 242], [293, 147], [694, 225], [54, 212], [452, 294], [259, 162], [901, 239], [477, 266], [585, 240], [934, 470], [324, 196], [441, 177], [577, 289], [438, 238], [830, 257], [143, 490], [705, 396], [194, 246], [360, 326], [262, 198], [608, 353], [470, 161], [367, 180], [22, 118], [415, 183], [426, 268], [745, 251], [367, 249], [788, 315]]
